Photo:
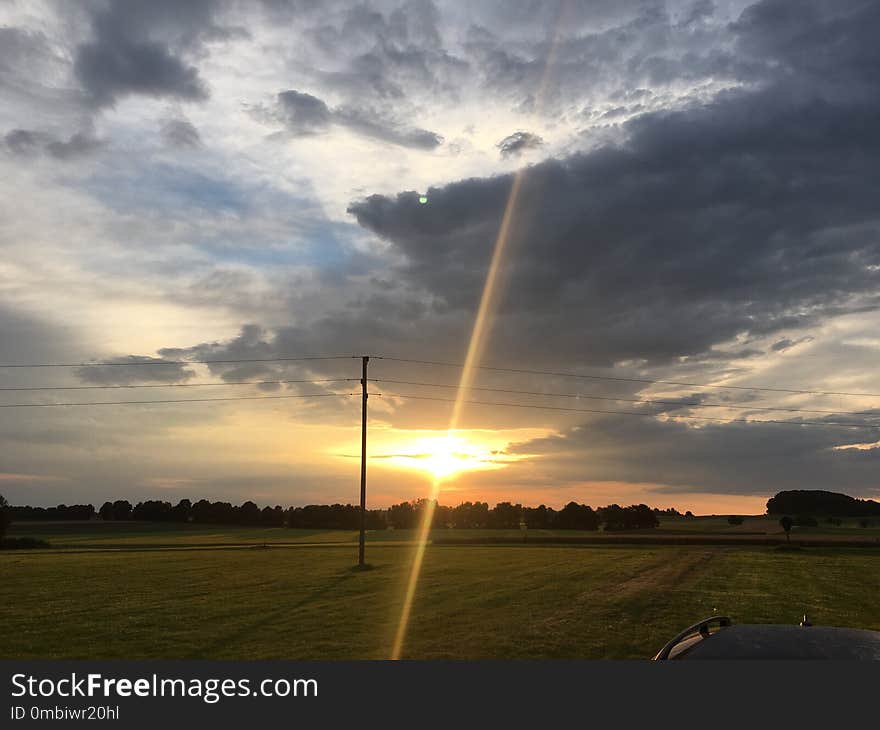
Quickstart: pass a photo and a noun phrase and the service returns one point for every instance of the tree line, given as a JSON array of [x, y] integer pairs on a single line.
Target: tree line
[[811, 502], [406, 515], [508, 516]]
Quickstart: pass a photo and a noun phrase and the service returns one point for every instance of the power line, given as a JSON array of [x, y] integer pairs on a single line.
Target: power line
[[176, 400], [631, 380], [580, 396], [521, 371], [633, 413], [179, 385], [173, 362]]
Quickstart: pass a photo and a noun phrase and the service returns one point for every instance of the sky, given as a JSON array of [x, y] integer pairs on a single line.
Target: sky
[[225, 180]]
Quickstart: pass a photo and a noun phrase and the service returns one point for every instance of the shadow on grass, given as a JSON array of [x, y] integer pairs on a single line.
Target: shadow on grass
[[206, 652]]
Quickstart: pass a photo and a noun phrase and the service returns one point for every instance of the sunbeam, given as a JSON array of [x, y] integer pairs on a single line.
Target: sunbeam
[[488, 303]]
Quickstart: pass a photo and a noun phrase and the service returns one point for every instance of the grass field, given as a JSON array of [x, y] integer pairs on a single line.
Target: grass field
[[157, 535], [304, 601]]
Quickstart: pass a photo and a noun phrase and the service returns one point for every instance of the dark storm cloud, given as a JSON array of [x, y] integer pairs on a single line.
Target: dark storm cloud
[[180, 133], [304, 114], [573, 55], [745, 216], [733, 458], [146, 48], [129, 372], [516, 143], [24, 142], [749, 216], [250, 344]]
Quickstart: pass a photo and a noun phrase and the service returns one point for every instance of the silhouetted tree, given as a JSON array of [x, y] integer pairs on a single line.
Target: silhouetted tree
[[576, 516], [642, 516], [118, 510], [786, 522], [60, 512], [272, 517], [442, 517], [539, 518], [333, 517], [634, 517], [403, 516], [152, 510], [505, 516], [249, 514], [470, 515], [820, 502], [5, 518], [182, 511]]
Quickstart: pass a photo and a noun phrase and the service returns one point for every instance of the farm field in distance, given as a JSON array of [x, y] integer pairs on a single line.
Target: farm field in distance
[[106, 591], [133, 534]]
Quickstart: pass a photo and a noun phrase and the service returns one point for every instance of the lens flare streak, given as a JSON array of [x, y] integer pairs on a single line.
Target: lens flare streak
[[474, 352]]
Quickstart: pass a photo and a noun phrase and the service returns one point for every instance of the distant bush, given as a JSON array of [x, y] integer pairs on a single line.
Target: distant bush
[[734, 520], [865, 523], [806, 521], [833, 521], [22, 543]]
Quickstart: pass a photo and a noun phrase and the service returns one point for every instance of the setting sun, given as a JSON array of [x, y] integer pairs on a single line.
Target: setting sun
[[445, 455]]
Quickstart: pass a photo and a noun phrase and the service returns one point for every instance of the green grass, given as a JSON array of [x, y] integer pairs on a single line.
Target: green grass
[[473, 601], [128, 535], [159, 534]]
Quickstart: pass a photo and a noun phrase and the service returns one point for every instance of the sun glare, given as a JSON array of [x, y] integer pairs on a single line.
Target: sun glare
[[445, 456]]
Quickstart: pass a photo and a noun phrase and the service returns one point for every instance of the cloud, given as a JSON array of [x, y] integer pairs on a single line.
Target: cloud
[[24, 142], [739, 218], [786, 343], [180, 133], [127, 371], [707, 203], [304, 114], [387, 53], [516, 143], [143, 50], [733, 458], [371, 124]]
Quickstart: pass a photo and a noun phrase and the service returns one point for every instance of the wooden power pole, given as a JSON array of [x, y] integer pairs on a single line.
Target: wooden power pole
[[365, 361]]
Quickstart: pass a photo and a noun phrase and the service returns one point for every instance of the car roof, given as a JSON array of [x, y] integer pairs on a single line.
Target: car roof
[[780, 641]]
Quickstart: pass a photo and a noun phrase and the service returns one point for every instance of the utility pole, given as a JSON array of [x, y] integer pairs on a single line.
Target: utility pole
[[364, 361]]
